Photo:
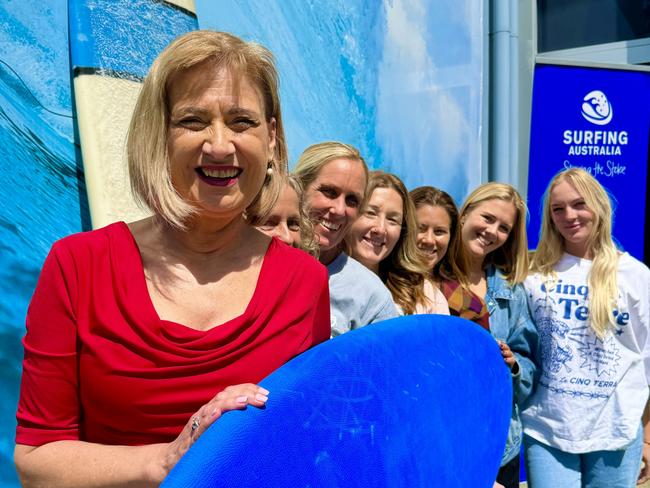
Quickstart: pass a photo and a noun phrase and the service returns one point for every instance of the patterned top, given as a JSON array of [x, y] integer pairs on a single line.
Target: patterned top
[[466, 304], [591, 391]]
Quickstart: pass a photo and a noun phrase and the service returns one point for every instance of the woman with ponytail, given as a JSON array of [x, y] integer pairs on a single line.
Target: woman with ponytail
[[591, 306], [334, 177]]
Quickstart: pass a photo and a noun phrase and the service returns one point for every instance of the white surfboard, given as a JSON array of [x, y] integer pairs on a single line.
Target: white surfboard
[[112, 44]]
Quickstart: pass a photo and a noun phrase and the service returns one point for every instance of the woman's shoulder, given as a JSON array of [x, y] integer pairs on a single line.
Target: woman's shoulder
[[344, 265], [437, 300], [533, 281], [91, 240], [519, 291], [627, 261], [286, 257], [496, 273], [431, 289], [631, 268], [345, 271], [497, 280]]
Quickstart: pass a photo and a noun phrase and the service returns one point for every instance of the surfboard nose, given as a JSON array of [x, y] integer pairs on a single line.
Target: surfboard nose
[[423, 400]]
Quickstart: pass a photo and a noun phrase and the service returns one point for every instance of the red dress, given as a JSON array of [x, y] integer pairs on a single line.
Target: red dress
[[101, 366]]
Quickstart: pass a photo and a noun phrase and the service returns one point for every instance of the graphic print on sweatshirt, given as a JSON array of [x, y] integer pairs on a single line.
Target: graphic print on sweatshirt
[[575, 361]]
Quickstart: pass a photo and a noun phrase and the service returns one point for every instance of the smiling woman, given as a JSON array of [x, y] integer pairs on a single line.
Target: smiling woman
[[288, 219], [335, 195], [140, 335], [437, 218], [335, 176], [483, 273], [384, 239], [217, 137], [590, 302]]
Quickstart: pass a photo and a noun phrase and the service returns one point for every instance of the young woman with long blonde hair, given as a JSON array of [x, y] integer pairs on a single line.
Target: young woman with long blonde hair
[[484, 270], [590, 303]]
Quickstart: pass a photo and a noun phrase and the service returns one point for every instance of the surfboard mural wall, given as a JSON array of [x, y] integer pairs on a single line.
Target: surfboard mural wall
[[106, 48], [401, 80], [112, 45]]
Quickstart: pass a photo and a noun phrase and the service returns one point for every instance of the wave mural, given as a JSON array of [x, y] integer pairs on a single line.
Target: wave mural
[[43, 195], [400, 79]]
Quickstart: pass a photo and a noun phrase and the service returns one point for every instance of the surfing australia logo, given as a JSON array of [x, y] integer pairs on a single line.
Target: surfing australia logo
[[596, 109]]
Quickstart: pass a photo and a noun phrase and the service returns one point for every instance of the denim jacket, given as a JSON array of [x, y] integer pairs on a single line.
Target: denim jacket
[[510, 322]]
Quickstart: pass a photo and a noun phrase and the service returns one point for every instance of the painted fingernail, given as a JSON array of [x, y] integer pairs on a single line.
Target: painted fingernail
[[264, 391], [241, 399], [261, 398]]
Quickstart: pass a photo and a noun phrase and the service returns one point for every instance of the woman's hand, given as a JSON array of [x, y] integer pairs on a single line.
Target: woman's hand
[[508, 357], [82, 464], [235, 397], [644, 475]]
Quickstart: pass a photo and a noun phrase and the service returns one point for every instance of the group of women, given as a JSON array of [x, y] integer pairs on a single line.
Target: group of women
[[140, 335]]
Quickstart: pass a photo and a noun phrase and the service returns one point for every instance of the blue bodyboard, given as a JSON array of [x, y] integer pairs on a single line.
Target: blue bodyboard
[[417, 401]]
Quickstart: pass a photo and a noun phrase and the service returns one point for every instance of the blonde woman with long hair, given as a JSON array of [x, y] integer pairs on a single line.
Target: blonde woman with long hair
[[590, 303], [484, 270], [384, 239]]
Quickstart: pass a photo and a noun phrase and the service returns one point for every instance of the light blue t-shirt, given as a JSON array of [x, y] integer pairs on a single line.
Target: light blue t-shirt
[[357, 296]]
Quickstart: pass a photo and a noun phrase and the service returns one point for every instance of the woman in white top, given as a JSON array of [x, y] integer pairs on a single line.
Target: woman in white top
[[590, 303], [384, 238]]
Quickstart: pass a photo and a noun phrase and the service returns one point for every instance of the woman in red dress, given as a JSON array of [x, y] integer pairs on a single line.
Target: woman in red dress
[[140, 335]]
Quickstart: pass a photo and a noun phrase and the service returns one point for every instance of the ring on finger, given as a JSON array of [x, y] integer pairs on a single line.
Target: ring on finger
[[196, 421]]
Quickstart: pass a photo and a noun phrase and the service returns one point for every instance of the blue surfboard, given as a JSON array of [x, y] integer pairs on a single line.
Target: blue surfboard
[[417, 401]]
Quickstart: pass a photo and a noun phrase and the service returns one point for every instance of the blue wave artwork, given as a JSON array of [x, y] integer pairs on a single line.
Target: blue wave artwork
[[401, 79], [42, 192]]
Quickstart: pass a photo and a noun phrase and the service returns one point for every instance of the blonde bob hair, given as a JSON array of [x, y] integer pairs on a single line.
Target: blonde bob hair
[[312, 160], [602, 278], [308, 240], [512, 257], [148, 159], [403, 270]]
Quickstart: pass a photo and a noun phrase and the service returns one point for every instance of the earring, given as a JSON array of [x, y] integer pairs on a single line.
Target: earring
[[269, 168]]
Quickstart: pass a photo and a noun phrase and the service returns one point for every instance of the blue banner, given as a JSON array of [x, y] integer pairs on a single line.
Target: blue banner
[[597, 119]]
